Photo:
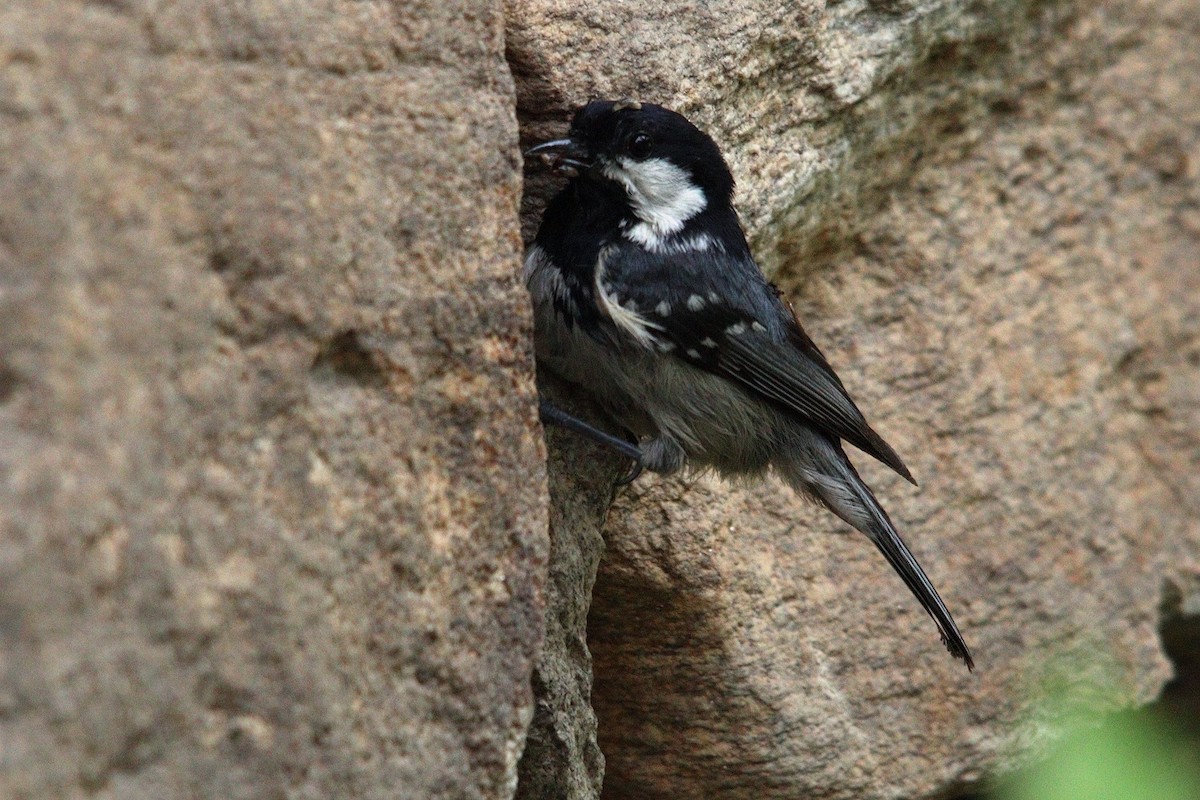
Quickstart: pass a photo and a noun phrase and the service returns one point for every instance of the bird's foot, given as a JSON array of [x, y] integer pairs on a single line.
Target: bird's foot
[[553, 415], [662, 454]]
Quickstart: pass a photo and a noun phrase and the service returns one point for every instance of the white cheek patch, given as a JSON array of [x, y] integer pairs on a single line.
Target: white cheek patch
[[662, 196]]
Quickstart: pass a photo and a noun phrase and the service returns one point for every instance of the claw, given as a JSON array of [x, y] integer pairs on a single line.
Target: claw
[[634, 471]]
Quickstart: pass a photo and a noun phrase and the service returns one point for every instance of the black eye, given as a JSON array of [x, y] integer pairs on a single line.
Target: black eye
[[640, 144]]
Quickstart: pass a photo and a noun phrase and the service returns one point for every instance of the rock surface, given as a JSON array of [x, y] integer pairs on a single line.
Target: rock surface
[[272, 492], [273, 502], [987, 217], [562, 758]]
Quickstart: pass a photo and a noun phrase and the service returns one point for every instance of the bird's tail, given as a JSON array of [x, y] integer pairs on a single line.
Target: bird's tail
[[818, 467]]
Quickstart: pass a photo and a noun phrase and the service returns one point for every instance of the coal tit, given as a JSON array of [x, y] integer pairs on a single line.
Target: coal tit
[[645, 294]]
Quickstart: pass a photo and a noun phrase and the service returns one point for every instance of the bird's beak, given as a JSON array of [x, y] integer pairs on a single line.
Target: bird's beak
[[565, 156]]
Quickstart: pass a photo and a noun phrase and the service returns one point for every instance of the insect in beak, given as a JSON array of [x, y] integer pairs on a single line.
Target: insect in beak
[[565, 156]]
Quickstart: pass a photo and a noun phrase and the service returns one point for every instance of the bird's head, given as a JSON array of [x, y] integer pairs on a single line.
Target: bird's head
[[669, 170]]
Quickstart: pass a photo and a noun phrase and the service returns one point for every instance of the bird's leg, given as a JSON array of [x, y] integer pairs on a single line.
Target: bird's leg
[[553, 415]]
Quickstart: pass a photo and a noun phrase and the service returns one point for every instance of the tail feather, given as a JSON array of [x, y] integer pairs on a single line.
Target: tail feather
[[826, 472]]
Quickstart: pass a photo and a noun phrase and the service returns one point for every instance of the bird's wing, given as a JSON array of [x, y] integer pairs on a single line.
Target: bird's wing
[[719, 314]]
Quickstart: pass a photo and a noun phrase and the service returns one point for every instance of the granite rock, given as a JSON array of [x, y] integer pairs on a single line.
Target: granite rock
[[272, 490]]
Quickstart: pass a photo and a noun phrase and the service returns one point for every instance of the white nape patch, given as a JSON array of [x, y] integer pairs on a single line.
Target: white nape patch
[[661, 194], [695, 302], [663, 309], [627, 317], [670, 245], [736, 329]]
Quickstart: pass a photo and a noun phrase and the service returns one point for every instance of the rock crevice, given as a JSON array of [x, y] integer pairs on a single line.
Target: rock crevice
[[984, 218]]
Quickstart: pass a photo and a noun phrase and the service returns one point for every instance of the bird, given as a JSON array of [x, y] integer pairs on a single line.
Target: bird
[[646, 295]]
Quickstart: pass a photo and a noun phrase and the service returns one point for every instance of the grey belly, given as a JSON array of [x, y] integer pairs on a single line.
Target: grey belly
[[655, 394]]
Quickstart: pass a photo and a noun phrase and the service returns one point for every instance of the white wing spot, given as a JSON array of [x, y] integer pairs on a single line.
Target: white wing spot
[[693, 353], [663, 309], [695, 302], [713, 297], [666, 347], [707, 342], [758, 326], [736, 329]]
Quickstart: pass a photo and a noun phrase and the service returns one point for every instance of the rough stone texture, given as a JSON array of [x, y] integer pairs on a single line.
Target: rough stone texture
[[989, 217], [562, 759], [272, 495], [273, 513]]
